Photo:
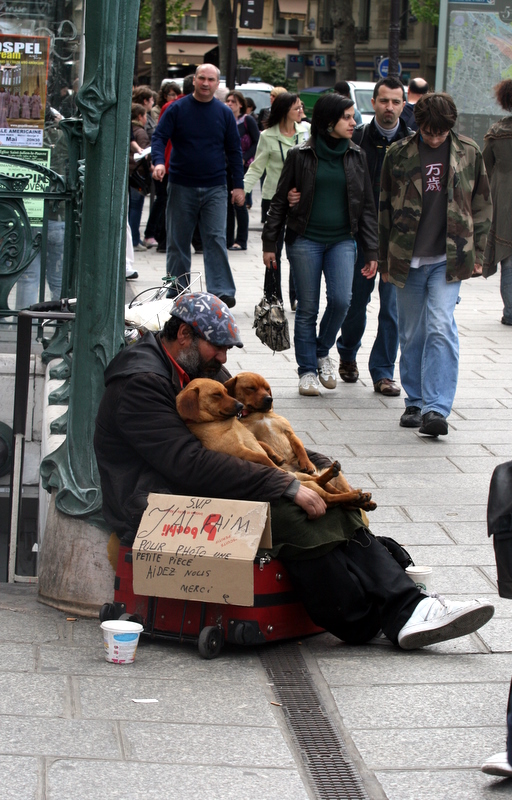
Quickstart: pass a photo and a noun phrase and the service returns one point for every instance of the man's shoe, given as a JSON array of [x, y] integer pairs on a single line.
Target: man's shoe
[[411, 418], [387, 387], [436, 619], [348, 371], [140, 248], [131, 274], [309, 384], [326, 372], [433, 424], [498, 765], [228, 300]]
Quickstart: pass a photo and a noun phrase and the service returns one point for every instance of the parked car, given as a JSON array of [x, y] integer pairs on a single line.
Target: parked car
[[360, 91]]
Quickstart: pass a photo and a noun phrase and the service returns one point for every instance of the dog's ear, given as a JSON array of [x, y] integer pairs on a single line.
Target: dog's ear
[[230, 386], [187, 404]]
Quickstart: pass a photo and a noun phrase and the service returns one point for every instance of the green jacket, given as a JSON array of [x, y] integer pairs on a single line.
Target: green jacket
[[469, 208], [270, 157]]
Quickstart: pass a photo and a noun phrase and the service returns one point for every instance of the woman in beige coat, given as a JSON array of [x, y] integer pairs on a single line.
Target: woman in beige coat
[[497, 155]]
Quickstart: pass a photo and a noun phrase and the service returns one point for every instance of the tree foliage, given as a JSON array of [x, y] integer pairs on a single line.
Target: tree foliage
[[426, 10], [268, 68], [175, 11]]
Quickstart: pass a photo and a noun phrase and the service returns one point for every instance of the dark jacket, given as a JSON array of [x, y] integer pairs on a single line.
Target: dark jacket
[[375, 146], [299, 172], [142, 445]]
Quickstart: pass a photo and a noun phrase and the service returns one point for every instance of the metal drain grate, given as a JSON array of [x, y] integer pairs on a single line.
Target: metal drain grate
[[332, 773]]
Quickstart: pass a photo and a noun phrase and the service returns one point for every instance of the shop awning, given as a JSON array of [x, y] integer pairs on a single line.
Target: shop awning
[[293, 9]]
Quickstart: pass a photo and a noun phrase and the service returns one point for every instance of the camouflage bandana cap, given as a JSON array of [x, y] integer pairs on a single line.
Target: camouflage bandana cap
[[209, 318]]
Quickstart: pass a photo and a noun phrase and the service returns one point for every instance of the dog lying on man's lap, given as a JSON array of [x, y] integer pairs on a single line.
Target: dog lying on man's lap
[[237, 418]]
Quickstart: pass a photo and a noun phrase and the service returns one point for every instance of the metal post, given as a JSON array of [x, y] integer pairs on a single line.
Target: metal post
[[394, 39], [232, 52]]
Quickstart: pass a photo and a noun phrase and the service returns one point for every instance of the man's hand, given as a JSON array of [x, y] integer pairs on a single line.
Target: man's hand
[[293, 197], [238, 197], [477, 270], [159, 172], [269, 259], [310, 502], [369, 270]]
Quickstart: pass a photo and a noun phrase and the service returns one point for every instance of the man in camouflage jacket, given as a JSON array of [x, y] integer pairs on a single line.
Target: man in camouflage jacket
[[434, 216]]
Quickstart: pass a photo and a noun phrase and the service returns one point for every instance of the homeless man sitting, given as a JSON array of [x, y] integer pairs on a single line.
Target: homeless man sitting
[[347, 580]]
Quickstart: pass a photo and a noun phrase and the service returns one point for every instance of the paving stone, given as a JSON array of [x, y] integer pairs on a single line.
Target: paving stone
[[416, 749], [443, 784], [151, 781], [219, 745], [423, 706], [189, 699], [19, 778]]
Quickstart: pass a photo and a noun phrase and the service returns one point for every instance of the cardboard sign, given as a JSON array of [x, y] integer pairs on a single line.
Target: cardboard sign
[[199, 548]]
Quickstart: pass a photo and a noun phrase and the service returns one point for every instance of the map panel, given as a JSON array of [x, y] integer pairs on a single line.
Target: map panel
[[479, 56]]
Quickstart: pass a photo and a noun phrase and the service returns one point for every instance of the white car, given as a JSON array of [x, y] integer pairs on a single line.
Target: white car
[[362, 93]]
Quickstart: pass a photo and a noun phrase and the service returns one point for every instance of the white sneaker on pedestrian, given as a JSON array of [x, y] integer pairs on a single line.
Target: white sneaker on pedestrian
[[308, 384], [498, 765], [436, 619], [327, 372]]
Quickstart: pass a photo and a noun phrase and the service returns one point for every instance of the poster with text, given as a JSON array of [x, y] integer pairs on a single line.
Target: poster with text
[[23, 77]]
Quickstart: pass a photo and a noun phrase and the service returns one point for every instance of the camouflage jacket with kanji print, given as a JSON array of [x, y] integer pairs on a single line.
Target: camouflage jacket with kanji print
[[469, 209]]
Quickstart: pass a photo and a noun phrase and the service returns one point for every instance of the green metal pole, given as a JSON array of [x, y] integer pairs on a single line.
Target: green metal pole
[[104, 101]]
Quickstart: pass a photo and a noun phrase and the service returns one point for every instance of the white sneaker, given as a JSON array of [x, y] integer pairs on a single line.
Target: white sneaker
[[308, 384], [498, 765], [327, 372], [436, 619]]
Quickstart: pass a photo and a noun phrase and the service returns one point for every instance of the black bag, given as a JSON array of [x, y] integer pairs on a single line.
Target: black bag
[[499, 525], [269, 317], [140, 178], [398, 552]]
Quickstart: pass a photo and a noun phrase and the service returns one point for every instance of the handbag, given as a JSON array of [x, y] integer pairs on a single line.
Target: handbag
[[269, 317], [499, 525]]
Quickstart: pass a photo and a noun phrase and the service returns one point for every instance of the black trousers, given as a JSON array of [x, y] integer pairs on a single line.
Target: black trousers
[[356, 590]]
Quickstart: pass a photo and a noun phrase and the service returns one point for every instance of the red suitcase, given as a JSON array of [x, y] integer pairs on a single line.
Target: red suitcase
[[277, 613]]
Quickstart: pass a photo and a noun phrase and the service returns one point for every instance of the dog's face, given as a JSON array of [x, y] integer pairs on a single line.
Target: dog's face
[[252, 390], [204, 400]]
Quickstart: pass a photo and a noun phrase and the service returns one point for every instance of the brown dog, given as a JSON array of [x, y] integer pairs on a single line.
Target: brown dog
[[277, 437], [211, 415]]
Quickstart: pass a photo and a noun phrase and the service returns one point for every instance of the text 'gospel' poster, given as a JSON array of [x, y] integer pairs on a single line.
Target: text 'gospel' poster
[[23, 76]]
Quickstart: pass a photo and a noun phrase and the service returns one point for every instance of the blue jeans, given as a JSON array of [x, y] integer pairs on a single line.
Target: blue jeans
[[309, 260], [429, 340], [385, 348], [135, 206], [506, 288], [27, 287], [186, 207]]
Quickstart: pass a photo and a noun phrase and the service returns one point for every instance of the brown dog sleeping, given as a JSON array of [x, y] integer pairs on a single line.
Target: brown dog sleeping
[[277, 436], [211, 414]]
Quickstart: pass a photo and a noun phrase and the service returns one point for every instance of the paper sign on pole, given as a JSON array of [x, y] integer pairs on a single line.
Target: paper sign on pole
[[199, 548]]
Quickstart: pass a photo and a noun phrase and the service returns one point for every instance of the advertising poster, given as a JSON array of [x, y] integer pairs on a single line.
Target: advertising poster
[[37, 182], [23, 76]]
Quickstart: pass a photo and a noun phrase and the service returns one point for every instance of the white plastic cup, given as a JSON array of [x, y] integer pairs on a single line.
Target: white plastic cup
[[421, 576], [120, 638]]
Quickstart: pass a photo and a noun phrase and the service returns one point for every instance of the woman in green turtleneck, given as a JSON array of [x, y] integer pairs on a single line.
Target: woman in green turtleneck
[[331, 180]]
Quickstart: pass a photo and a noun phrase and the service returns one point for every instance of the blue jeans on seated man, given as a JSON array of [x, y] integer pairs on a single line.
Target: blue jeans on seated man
[[385, 348], [309, 260], [429, 340], [187, 206]]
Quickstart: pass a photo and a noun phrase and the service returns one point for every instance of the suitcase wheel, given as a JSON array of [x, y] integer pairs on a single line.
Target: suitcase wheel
[[210, 642], [107, 611]]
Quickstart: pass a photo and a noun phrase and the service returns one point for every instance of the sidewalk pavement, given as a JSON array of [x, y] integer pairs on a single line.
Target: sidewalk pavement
[[417, 724]]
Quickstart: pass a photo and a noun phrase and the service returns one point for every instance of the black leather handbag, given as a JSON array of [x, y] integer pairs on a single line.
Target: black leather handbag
[[270, 318], [499, 525]]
